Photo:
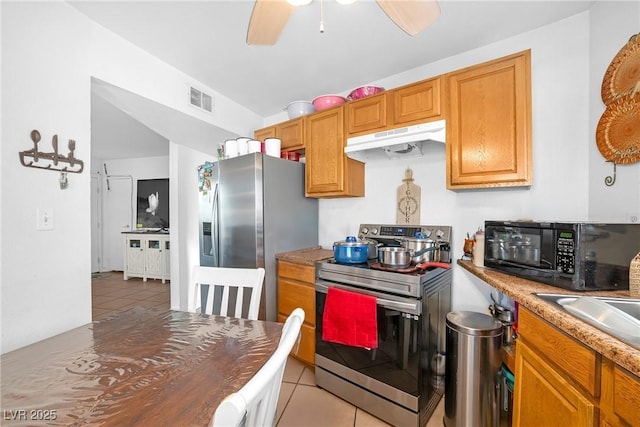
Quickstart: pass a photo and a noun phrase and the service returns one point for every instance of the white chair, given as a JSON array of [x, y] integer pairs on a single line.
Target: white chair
[[221, 281], [254, 405]]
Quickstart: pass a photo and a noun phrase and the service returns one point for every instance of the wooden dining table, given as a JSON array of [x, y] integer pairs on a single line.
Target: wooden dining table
[[141, 367]]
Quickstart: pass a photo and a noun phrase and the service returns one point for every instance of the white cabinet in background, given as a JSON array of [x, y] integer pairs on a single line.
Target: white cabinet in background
[[147, 256]]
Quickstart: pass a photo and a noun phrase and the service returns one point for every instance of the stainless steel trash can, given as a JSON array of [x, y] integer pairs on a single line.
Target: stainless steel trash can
[[472, 369]]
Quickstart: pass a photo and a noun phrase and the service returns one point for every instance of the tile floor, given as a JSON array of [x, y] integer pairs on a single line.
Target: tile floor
[[111, 294], [301, 403]]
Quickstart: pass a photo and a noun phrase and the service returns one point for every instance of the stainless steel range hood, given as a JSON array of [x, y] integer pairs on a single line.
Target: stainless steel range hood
[[395, 143]]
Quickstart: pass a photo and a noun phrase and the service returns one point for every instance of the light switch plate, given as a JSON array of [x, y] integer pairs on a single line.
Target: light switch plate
[[45, 219]]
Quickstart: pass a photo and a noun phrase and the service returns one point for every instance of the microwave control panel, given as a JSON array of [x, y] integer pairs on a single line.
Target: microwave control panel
[[565, 252]]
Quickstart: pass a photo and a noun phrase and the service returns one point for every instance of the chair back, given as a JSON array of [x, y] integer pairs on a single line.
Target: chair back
[[255, 404], [226, 290]]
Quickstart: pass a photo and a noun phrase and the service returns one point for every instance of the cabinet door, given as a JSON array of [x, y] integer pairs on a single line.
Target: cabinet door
[[329, 172], [153, 257], [291, 134], [418, 102], [262, 134], [307, 347], [367, 114], [543, 397], [489, 124], [135, 256]]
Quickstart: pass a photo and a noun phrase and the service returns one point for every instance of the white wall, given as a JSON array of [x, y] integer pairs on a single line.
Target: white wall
[[563, 144], [45, 277], [611, 28], [184, 231]]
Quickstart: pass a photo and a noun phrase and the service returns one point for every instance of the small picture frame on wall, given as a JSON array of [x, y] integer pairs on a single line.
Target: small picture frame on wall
[[153, 204]]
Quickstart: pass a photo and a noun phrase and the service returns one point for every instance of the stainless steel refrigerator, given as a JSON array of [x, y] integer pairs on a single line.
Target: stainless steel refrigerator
[[251, 208]]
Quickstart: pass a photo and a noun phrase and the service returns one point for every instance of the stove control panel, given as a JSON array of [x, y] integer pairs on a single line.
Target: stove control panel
[[390, 231]]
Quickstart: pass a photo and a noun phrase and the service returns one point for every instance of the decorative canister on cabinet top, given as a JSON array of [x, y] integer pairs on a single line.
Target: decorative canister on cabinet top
[[634, 277]]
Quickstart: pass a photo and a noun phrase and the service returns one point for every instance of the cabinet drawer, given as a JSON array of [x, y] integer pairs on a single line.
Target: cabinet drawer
[[293, 294], [579, 362], [626, 395], [307, 349], [303, 273]]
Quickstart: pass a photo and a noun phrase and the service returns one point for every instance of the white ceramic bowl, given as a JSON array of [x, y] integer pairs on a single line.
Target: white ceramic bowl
[[299, 108]]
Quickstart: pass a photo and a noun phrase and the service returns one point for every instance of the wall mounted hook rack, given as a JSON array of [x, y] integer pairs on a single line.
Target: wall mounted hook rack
[[51, 161]]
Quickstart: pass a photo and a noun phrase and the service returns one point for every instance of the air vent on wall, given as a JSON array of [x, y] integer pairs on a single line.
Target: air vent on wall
[[200, 99]]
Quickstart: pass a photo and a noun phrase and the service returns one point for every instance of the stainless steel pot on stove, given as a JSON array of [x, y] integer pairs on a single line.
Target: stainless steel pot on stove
[[400, 257], [438, 250], [372, 247]]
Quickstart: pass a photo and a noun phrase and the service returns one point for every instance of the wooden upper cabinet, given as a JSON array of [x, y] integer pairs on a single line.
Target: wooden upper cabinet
[[415, 103], [418, 102], [262, 134], [329, 172], [367, 114], [291, 134], [489, 124]]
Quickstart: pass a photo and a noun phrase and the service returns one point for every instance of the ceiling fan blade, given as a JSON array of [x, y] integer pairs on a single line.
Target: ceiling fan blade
[[267, 21], [412, 16]]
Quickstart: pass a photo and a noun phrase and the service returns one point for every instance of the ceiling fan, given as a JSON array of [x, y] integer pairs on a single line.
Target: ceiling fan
[[270, 16]]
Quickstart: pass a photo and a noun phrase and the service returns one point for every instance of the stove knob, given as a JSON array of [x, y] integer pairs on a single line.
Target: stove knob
[[439, 234], [374, 230], [364, 230], [426, 233]]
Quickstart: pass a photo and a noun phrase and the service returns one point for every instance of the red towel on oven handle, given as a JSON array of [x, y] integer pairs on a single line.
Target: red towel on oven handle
[[350, 318]]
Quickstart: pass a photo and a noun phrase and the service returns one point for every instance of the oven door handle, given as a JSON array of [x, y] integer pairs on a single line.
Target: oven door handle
[[412, 307]]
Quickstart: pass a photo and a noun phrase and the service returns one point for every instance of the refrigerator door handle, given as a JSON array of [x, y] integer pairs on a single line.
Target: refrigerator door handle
[[215, 243]]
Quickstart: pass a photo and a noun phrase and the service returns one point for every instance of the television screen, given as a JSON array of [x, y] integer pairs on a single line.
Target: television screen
[[153, 203]]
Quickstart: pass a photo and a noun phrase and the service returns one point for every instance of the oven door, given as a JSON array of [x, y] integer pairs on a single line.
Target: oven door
[[395, 363]]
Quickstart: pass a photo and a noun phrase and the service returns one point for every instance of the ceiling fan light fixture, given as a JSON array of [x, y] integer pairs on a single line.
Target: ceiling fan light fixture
[[299, 2]]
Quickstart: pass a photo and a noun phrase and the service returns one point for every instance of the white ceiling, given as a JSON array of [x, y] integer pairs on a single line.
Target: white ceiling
[[206, 39]]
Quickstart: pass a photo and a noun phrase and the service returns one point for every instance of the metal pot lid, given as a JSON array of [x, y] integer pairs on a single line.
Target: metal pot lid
[[472, 323], [350, 241]]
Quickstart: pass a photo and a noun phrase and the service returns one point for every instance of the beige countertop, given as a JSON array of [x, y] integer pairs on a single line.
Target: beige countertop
[[522, 291], [307, 256]]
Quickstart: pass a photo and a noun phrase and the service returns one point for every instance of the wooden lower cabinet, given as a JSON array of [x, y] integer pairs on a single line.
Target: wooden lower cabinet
[[296, 288], [620, 401], [562, 382], [543, 397]]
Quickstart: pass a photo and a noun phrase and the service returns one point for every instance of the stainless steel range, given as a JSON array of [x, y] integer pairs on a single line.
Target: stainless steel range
[[402, 380]]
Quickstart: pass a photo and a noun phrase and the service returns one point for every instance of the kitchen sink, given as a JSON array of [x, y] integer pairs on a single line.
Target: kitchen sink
[[619, 317]]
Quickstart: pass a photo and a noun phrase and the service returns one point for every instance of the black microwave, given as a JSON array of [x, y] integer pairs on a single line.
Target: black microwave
[[579, 256]]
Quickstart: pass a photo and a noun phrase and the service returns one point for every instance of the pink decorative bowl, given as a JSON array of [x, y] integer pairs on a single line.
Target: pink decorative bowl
[[328, 101], [364, 91]]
